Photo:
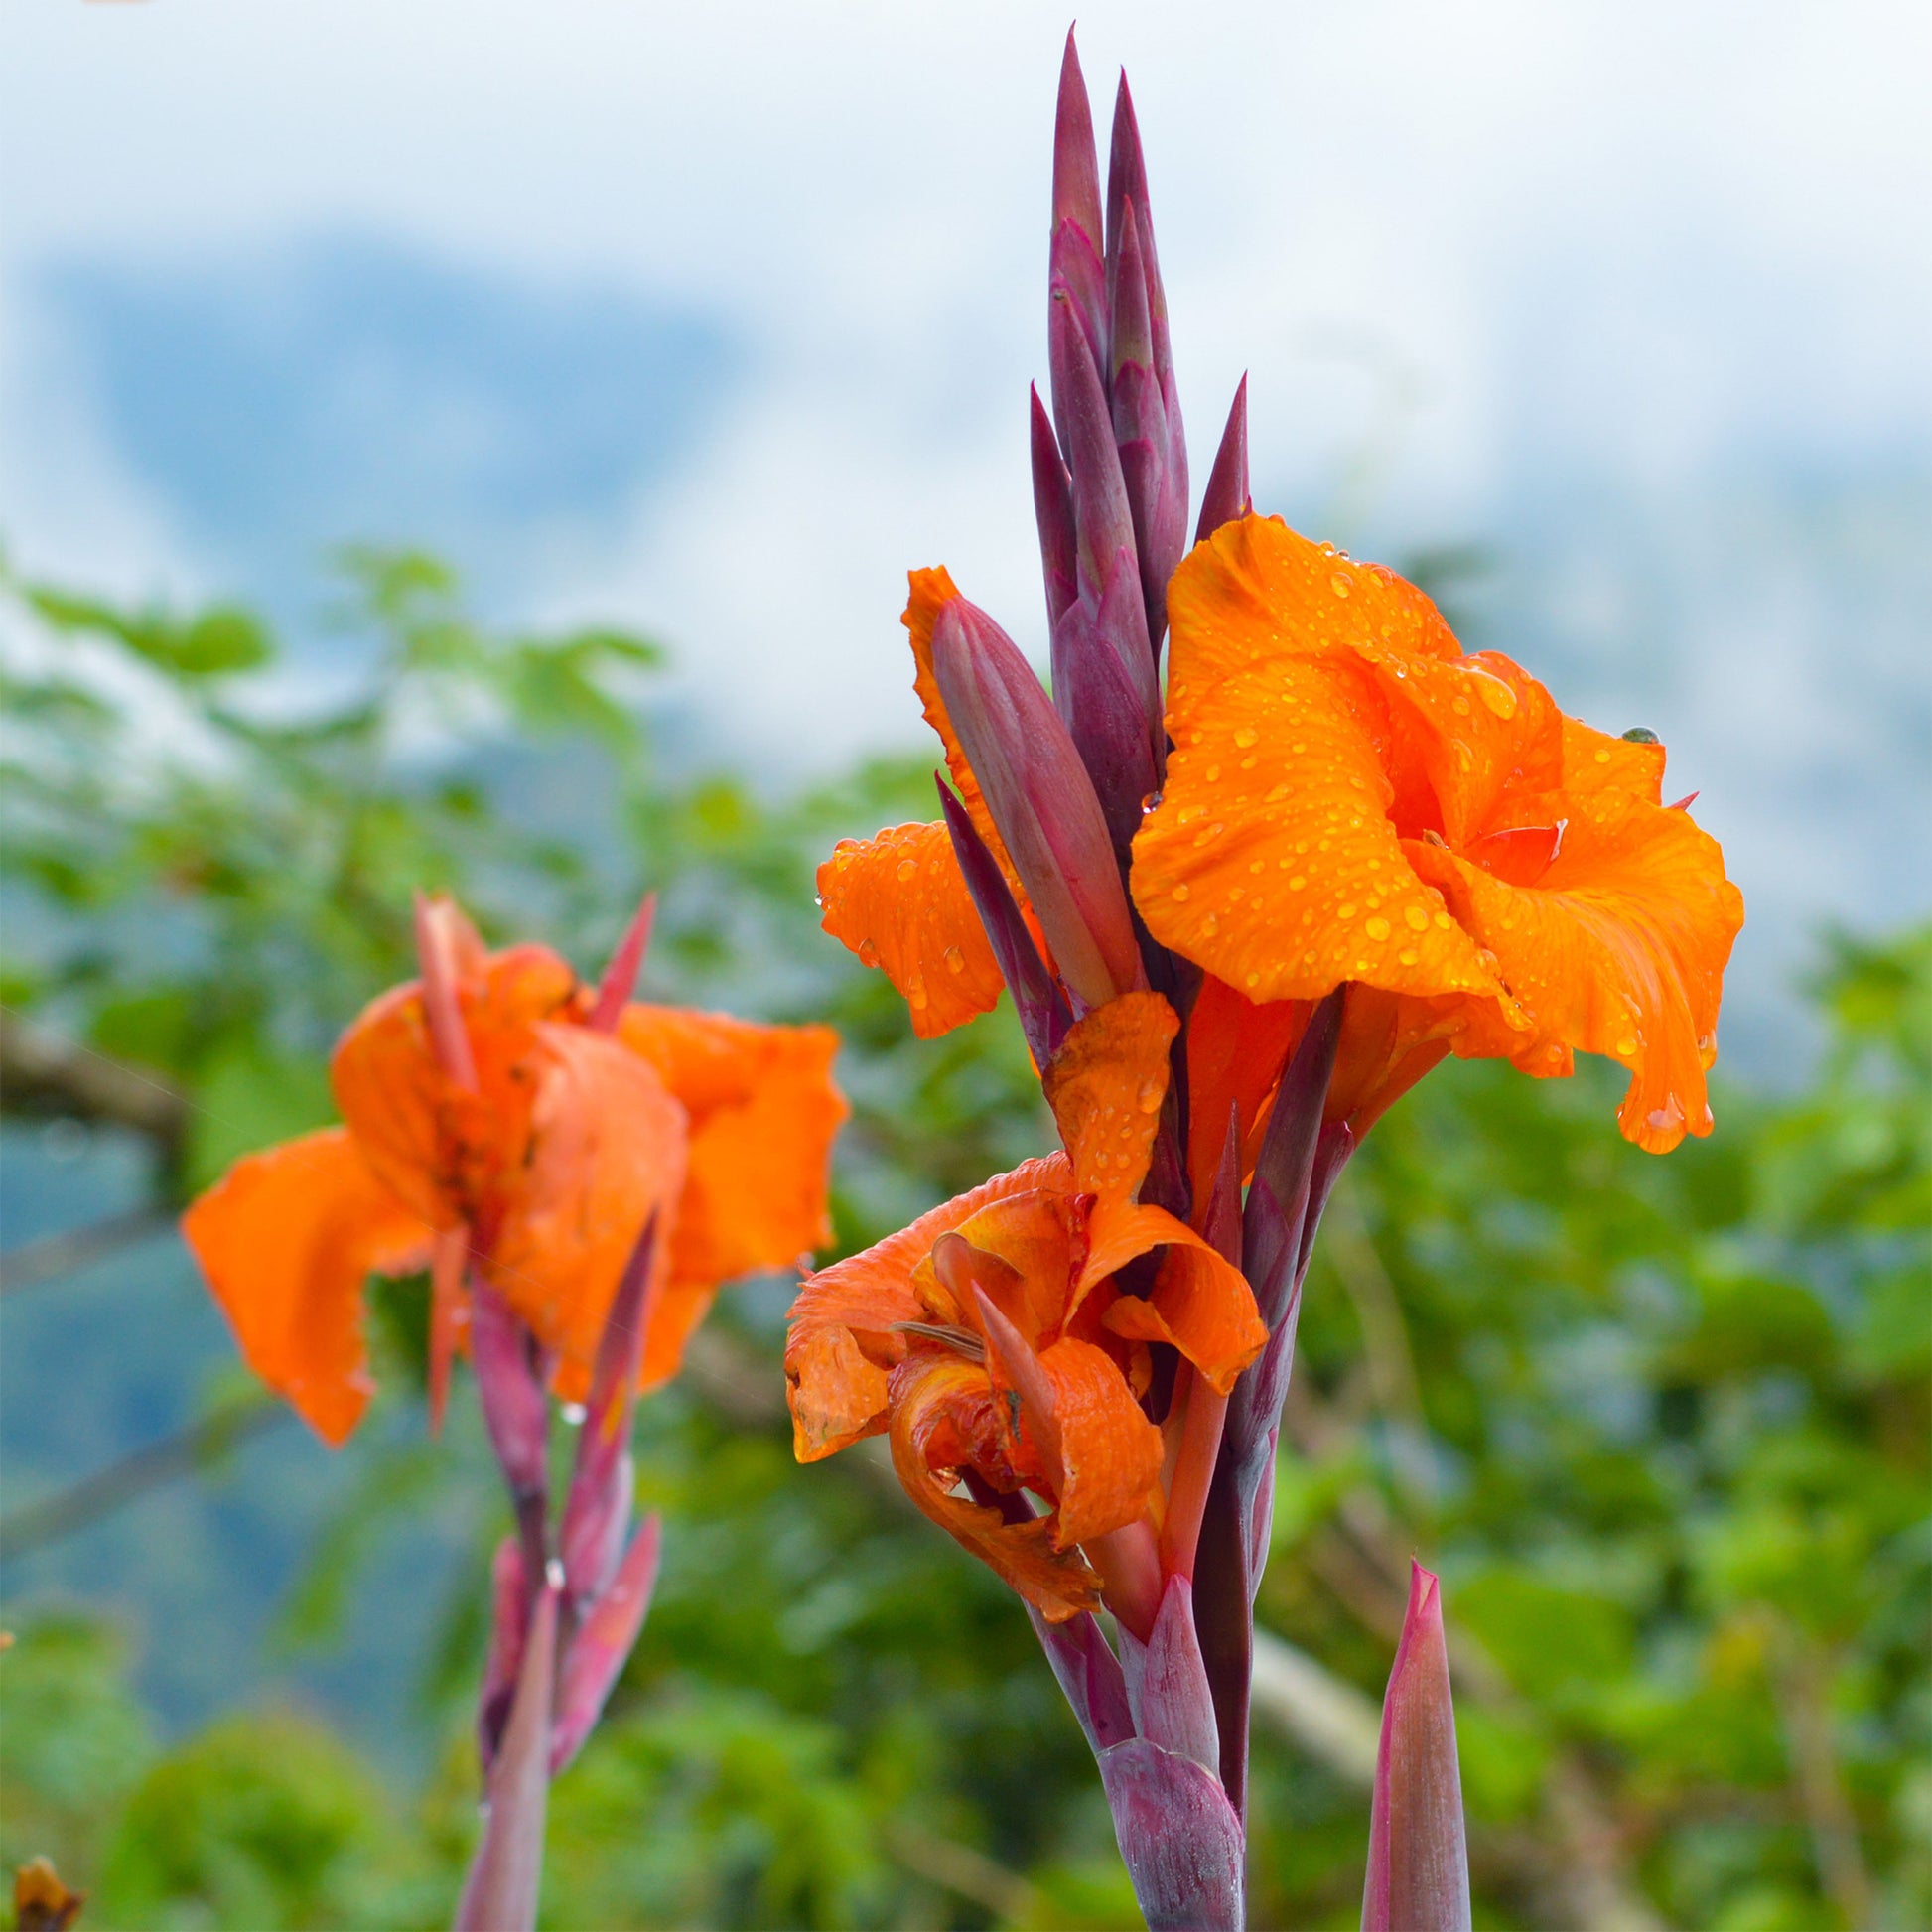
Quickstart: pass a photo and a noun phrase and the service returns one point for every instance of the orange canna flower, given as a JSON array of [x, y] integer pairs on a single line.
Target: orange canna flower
[[1351, 798], [494, 1122], [1002, 1339]]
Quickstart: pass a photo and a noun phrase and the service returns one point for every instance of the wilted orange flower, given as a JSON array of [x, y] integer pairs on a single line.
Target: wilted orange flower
[[499, 1118], [1352, 798], [1002, 1338]]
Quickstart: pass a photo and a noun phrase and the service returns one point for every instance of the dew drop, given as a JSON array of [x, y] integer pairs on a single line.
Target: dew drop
[[1295, 883], [1345, 911], [1627, 1046], [1377, 928], [1444, 921], [955, 959], [1416, 917], [1246, 735], [907, 869], [1339, 585], [1254, 978], [1181, 892], [1407, 955], [1460, 706]]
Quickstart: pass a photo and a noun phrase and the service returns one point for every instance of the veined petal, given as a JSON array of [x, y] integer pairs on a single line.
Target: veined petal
[[1106, 1085], [762, 1110], [1273, 860], [286, 1239], [900, 901], [942, 1412], [838, 1396], [865, 1297], [1618, 949], [606, 1150]]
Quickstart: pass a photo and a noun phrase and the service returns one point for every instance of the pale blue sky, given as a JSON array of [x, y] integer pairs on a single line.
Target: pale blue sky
[[714, 320]]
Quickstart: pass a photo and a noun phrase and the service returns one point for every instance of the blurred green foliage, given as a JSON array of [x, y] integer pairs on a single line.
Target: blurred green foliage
[[1661, 1425]]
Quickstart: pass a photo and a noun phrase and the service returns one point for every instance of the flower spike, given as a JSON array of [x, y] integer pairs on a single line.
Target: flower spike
[[1227, 498], [627, 962]]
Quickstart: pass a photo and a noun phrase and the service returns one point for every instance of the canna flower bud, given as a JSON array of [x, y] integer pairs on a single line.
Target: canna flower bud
[[1041, 802], [1418, 1861]]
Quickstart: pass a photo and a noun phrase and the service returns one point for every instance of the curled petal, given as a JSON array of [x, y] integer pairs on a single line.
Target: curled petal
[[1618, 949], [943, 1405], [1110, 1452], [286, 1239], [900, 901], [1200, 1303], [868, 1299]]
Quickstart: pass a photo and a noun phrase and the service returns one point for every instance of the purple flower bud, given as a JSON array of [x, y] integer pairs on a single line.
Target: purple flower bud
[[1106, 708], [1227, 497], [1041, 800], [596, 1512], [500, 1893], [1103, 523], [1045, 1017], [1418, 1861], [1053, 513], [602, 1645], [1126, 182], [1076, 169]]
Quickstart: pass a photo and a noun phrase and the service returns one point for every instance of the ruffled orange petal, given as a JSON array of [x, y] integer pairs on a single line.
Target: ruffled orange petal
[[286, 1239], [1201, 1304], [1273, 861], [607, 1151], [900, 901], [1105, 1087], [1031, 1235], [1109, 1452], [763, 1110], [446, 1153], [866, 1295], [1618, 949], [943, 1421]]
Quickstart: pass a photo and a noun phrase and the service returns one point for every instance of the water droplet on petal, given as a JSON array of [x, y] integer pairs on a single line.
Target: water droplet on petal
[[1181, 891], [907, 871], [1339, 585], [1377, 928], [955, 959]]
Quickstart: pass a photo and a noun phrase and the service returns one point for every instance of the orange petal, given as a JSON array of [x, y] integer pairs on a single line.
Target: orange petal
[[443, 1152], [1273, 861], [843, 1394], [286, 1239], [1236, 1051], [1105, 1087], [1200, 1303], [1256, 590], [900, 901], [1032, 1235], [1595, 761], [942, 1410], [868, 1295], [1109, 1450], [763, 1111], [1618, 949], [607, 1148]]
